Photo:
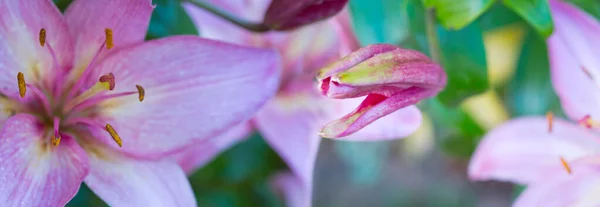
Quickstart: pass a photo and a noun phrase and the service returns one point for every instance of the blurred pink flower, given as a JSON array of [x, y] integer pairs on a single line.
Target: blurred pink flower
[[291, 121], [559, 161], [64, 122], [290, 14]]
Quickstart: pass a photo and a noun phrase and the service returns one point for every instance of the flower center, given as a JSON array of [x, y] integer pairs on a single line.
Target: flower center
[[62, 105]]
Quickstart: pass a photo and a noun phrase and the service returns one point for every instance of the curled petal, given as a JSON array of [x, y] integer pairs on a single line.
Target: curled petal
[[391, 78]]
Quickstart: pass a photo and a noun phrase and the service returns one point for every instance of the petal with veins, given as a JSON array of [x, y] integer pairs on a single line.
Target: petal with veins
[[571, 50], [20, 50], [194, 89], [128, 19], [560, 189], [123, 181], [32, 171], [521, 150], [290, 126]]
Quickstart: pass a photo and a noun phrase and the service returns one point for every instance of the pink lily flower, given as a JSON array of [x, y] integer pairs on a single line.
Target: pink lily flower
[[93, 103], [558, 160], [291, 121]]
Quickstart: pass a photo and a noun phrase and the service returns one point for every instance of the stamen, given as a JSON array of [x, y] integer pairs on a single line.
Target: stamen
[[109, 79], [109, 38], [21, 82], [549, 117], [42, 37], [114, 134], [108, 42], [98, 99], [588, 122], [141, 92], [105, 83], [565, 165], [56, 136]]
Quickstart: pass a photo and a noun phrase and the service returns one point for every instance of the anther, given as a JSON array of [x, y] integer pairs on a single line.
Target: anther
[[56, 136], [42, 37], [109, 79], [56, 139], [109, 38], [22, 86], [549, 117], [565, 164], [114, 134], [141, 92]]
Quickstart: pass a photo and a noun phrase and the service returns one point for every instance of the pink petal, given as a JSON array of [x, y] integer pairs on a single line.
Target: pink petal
[[303, 50], [123, 181], [216, 28], [292, 189], [199, 154], [373, 107], [343, 25], [398, 124], [195, 89], [561, 189], [289, 123], [128, 19], [572, 48], [522, 149], [32, 171], [20, 49]]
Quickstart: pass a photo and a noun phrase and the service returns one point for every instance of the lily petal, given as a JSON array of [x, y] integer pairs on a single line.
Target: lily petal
[[522, 149], [373, 107], [32, 171], [398, 124], [561, 189], [572, 50], [290, 14], [290, 124], [195, 89], [87, 20], [123, 181], [20, 49], [292, 189], [199, 154]]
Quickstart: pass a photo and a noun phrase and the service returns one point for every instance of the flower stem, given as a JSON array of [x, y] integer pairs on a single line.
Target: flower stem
[[255, 27], [432, 38]]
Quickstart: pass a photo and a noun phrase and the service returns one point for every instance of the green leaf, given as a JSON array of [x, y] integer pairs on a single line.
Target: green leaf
[[463, 58], [460, 133], [169, 18], [535, 12], [379, 21], [531, 92], [590, 6], [456, 14]]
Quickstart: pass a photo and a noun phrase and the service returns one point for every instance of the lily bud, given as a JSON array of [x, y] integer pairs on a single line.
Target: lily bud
[[390, 77], [290, 14]]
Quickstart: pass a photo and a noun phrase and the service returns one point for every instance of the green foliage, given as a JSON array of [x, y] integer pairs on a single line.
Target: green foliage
[[590, 6], [463, 58], [456, 14], [62, 4], [535, 12], [169, 18], [530, 92], [379, 21]]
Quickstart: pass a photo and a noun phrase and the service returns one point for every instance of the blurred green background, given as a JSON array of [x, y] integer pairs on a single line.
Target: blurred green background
[[496, 58]]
